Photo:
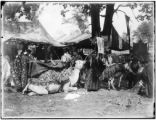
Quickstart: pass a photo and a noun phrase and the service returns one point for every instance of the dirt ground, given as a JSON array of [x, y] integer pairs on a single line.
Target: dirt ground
[[79, 104]]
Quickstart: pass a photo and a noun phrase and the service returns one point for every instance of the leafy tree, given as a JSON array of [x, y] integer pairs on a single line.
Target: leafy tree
[[81, 19], [145, 32], [10, 9], [145, 10], [77, 16], [93, 10]]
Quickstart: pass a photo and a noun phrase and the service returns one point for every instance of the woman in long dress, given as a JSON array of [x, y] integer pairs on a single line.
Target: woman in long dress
[[94, 69], [25, 58], [17, 71], [20, 69]]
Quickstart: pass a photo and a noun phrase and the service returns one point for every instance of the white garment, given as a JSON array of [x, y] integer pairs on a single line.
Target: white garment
[[75, 73], [100, 44], [6, 69], [120, 52]]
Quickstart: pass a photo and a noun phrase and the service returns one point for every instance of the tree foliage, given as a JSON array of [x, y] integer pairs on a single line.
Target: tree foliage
[[145, 10], [11, 9], [77, 16], [84, 10], [145, 32]]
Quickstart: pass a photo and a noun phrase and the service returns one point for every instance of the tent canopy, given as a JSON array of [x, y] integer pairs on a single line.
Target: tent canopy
[[35, 32], [31, 31], [67, 28]]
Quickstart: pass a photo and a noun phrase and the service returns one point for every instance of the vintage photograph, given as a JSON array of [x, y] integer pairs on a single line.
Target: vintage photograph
[[77, 59]]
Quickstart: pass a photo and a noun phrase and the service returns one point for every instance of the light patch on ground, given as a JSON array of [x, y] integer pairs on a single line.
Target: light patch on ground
[[71, 96]]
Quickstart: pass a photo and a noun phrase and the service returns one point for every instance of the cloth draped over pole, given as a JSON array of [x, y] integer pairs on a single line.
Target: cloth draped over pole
[[120, 37], [100, 44]]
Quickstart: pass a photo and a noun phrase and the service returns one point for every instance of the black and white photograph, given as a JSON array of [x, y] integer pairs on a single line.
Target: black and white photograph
[[90, 59]]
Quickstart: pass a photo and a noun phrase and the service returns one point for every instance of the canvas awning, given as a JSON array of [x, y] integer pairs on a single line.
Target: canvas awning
[[78, 38], [35, 32], [63, 29], [30, 31]]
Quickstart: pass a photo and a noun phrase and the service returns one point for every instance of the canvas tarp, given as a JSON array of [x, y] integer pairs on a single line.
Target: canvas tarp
[[67, 28], [79, 38], [35, 32], [30, 31]]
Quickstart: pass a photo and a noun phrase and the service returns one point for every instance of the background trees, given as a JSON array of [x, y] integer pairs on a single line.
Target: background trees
[[145, 10], [12, 11], [144, 15], [145, 30]]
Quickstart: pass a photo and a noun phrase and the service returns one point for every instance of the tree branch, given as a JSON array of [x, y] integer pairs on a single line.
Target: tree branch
[[116, 9], [119, 7], [122, 11], [135, 16], [103, 15]]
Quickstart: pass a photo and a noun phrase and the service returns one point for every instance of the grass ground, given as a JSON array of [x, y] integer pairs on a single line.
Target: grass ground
[[100, 104]]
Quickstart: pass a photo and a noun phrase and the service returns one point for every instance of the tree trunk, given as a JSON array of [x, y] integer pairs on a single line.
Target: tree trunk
[[95, 19], [128, 30], [108, 20]]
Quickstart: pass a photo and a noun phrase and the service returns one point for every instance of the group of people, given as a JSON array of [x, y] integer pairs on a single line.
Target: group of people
[[130, 73], [18, 72], [97, 68]]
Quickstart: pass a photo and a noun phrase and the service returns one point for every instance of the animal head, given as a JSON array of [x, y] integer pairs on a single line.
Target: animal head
[[79, 64]]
